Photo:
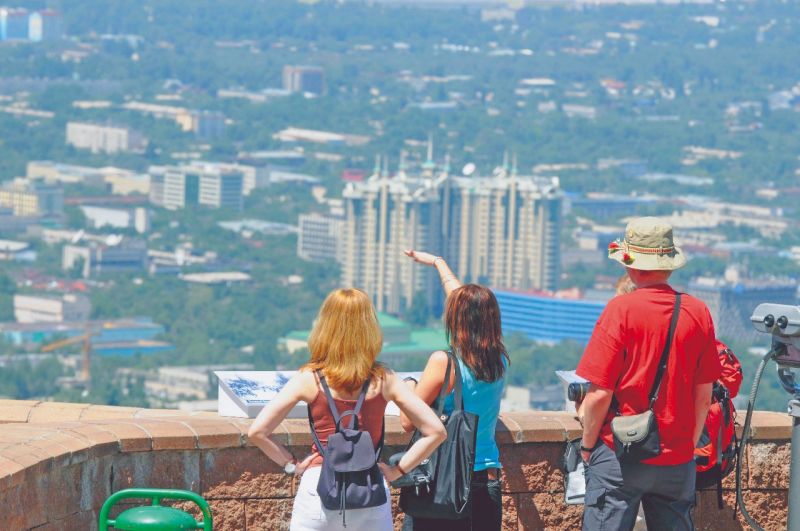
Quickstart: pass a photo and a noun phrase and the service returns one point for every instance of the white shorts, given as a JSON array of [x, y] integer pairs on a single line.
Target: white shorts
[[308, 514]]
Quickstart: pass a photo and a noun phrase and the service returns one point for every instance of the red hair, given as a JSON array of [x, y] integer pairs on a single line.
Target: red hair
[[472, 324], [346, 340]]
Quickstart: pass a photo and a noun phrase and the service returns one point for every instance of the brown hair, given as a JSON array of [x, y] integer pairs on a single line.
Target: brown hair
[[472, 324], [346, 340]]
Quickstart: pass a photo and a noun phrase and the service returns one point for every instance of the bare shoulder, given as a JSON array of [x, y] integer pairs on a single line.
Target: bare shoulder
[[306, 383], [438, 358]]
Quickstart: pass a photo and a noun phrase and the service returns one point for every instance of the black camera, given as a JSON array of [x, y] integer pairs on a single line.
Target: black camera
[[576, 392]]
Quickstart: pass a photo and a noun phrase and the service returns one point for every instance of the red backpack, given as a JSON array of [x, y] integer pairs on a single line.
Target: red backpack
[[715, 454]]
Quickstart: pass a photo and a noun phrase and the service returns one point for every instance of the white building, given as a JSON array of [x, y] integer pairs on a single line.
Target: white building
[[253, 176], [99, 138], [117, 218], [304, 79], [295, 134], [319, 237], [207, 185], [70, 307]]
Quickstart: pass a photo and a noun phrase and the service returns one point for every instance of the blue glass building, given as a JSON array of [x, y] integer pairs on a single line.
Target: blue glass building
[[545, 318]]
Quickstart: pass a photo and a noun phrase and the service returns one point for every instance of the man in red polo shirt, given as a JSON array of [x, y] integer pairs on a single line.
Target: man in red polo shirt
[[620, 362]]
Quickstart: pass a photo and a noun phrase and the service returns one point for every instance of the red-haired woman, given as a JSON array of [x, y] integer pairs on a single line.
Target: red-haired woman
[[472, 324], [344, 344]]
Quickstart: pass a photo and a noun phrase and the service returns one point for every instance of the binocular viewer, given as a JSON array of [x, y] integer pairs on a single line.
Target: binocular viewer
[[782, 322]]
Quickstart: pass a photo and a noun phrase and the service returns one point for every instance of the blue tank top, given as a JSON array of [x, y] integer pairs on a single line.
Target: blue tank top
[[483, 399]]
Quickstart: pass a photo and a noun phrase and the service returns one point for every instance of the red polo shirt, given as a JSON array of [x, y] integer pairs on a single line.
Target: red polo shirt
[[623, 354]]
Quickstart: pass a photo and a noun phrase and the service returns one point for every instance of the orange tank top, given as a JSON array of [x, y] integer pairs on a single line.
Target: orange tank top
[[370, 419]]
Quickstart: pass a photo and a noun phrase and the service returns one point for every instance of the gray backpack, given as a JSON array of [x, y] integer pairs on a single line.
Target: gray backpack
[[350, 477]]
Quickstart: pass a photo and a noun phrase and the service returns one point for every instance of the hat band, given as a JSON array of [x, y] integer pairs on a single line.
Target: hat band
[[648, 250]]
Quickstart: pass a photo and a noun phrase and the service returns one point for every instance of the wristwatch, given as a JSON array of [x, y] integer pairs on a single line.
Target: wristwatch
[[290, 467]]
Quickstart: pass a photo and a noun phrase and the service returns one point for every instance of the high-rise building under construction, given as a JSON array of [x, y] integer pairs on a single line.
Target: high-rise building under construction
[[500, 230]]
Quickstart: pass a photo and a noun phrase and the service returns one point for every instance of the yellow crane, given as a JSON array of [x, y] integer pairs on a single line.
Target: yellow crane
[[86, 349]]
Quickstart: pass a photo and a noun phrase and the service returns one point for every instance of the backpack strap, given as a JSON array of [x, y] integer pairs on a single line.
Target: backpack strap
[[353, 413], [458, 398], [361, 397], [662, 363], [439, 401], [445, 385], [331, 403]]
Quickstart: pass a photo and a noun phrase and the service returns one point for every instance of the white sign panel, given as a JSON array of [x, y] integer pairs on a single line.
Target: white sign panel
[[244, 393]]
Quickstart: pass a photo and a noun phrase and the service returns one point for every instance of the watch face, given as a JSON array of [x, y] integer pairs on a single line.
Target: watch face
[[290, 468]]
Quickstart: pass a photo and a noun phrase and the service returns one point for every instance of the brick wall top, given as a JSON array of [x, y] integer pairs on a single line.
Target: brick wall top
[[47, 434]]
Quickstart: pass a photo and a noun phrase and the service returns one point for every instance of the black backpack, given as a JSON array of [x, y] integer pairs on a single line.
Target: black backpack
[[350, 477], [440, 487]]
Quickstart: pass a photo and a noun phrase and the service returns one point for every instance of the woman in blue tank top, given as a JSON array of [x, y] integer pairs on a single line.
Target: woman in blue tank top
[[472, 324]]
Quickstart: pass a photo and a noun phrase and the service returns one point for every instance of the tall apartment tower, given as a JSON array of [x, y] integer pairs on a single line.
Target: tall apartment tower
[[501, 230]]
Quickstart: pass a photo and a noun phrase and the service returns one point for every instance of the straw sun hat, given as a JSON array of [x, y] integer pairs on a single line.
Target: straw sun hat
[[648, 246]]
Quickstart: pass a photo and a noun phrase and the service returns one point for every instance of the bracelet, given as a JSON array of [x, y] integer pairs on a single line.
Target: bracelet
[[593, 448], [402, 472]]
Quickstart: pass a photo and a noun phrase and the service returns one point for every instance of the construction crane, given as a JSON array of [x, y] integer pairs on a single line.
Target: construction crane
[[86, 349]]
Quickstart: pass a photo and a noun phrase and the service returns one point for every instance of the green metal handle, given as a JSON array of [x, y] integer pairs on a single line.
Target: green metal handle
[[156, 495]]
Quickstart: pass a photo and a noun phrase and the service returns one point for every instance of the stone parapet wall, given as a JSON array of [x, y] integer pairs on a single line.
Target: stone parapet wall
[[59, 462]]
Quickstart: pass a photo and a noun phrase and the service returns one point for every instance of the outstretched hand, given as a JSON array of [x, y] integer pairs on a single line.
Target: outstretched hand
[[421, 257]]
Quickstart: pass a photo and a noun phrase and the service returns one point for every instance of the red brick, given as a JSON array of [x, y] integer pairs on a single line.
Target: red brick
[[532, 467], [297, 433], [16, 410], [131, 437], [510, 516], [768, 509], [228, 515], [168, 435], [214, 433], [161, 470], [547, 511], [62, 492], [94, 412], [268, 515], [101, 441], [242, 473], [83, 520], [24, 505], [95, 482], [159, 413], [56, 412]]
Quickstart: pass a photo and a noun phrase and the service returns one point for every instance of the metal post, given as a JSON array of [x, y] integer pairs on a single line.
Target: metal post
[[794, 474]]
